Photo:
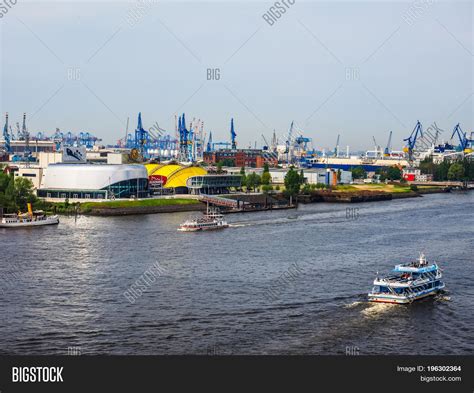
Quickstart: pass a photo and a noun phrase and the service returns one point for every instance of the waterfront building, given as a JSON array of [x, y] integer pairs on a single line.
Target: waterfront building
[[90, 181], [180, 179], [312, 176]]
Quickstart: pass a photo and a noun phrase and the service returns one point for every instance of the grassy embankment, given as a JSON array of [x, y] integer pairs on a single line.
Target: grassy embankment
[[87, 207]]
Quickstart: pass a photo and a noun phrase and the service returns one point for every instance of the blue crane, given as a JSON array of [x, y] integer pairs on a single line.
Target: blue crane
[[233, 134], [463, 139], [141, 136], [6, 136], [411, 140], [388, 148]]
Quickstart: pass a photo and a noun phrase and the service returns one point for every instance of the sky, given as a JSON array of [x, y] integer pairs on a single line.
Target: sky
[[358, 69]]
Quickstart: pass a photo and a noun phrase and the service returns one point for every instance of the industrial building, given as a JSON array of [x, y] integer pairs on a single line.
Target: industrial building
[[254, 158], [89, 181]]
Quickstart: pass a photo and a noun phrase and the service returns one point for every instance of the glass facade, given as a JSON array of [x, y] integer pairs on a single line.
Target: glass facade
[[128, 188], [213, 184]]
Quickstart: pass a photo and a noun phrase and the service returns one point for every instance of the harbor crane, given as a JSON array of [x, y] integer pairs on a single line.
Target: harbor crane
[[267, 145], [141, 136], [232, 134], [388, 148], [288, 142], [377, 147], [465, 144], [6, 135], [411, 140], [336, 149]]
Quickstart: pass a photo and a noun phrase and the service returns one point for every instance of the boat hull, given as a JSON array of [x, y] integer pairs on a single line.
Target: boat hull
[[202, 229], [380, 298], [54, 220]]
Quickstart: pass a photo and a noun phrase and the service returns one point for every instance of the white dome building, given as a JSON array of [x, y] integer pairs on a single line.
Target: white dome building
[[89, 181]]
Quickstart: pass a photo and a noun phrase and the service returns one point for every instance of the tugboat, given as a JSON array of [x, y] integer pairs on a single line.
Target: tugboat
[[30, 219], [411, 281], [213, 219]]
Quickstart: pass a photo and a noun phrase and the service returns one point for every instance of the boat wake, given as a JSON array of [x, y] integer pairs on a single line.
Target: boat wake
[[377, 310], [354, 304]]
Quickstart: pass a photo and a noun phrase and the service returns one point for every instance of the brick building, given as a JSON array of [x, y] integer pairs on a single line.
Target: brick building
[[241, 157]]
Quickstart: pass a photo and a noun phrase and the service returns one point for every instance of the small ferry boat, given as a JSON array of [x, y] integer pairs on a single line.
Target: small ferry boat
[[411, 281], [213, 219], [30, 219]]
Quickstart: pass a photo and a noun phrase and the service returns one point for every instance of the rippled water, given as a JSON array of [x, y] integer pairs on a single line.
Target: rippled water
[[63, 286]]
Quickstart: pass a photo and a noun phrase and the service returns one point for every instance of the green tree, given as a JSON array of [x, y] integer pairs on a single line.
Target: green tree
[[227, 162], [359, 173], [339, 174], [253, 181], [306, 188], [15, 193], [394, 173], [23, 192], [292, 182], [266, 168], [456, 171], [266, 178], [219, 167]]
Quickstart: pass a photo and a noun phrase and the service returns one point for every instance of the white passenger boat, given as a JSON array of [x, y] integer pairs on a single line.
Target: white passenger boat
[[411, 281], [213, 219], [30, 219]]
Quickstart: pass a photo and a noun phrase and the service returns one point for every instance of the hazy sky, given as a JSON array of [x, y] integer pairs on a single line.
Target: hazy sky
[[352, 68]]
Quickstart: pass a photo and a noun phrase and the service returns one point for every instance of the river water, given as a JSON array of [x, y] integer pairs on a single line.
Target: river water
[[62, 287]]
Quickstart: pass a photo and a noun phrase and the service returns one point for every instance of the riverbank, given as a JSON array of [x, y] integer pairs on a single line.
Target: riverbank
[[368, 193], [249, 202]]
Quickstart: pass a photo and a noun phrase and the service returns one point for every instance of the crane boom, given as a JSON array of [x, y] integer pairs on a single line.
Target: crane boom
[[388, 148]]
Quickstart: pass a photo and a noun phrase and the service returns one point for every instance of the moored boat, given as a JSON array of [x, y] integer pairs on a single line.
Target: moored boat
[[410, 282], [30, 219]]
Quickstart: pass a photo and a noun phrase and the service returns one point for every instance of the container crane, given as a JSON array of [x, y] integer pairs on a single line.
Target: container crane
[[388, 148], [411, 140], [232, 134], [336, 149], [141, 136], [6, 136], [26, 136], [267, 145], [288, 143], [465, 144]]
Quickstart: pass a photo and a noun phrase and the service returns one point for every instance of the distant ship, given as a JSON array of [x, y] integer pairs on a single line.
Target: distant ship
[[30, 219], [212, 220], [370, 162], [411, 281]]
